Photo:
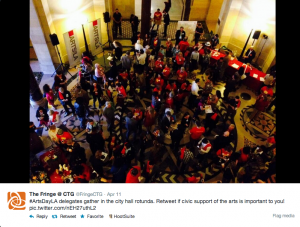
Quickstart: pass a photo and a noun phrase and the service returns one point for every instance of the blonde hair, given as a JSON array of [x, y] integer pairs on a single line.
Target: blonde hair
[[52, 127], [97, 66]]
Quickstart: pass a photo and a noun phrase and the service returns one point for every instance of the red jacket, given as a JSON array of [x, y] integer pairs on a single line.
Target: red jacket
[[169, 87], [64, 137], [261, 104], [133, 179], [196, 133], [122, 91], [181, 76], [166, 73], [179, 60], [159, 81], [183, 45], [169, 103], [138, 113]]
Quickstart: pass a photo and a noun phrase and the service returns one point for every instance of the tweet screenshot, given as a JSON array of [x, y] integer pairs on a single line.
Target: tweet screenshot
[[149, 205]]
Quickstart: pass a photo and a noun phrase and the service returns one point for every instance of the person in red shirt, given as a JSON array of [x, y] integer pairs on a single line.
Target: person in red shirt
[[171, 87], [267, 90], [262, 102], [157, 19], [56, 177], [158, 89], [196, 178], [155, 45], [138, 116], [224, 155], [120, 89], [245, 154], [179, 60], [159, 65], [169, 101], [63, 136], [166, 72], [196, 133], [158, 80], [124, 75], [181, 75], [183, 45], [133, 175]]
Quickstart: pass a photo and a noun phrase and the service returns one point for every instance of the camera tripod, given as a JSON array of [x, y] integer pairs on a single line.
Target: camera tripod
[[61, 64]]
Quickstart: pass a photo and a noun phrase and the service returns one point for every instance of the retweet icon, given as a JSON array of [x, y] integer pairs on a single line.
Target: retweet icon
[[16, 200]]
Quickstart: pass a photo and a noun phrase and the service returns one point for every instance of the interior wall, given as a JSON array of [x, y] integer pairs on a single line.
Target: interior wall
[[199, 10], [126, 7]]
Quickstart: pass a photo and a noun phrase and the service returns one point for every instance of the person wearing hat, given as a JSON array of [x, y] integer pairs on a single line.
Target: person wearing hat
[[250, 55], [157, 19], [117, 19], [166, 23], [215, 41], [180, 34]]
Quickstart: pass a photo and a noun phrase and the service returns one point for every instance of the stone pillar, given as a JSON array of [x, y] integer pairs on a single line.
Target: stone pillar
[[35, 94], [39, 36], [187, 10], [145, 21]]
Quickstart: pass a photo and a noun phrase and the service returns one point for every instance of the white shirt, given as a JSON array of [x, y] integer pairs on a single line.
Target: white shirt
[[195, 88], [138, 46], [142, 58], [195, 56]]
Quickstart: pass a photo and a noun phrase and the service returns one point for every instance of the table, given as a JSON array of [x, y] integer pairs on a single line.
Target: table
[[251, 82], [101, 62]]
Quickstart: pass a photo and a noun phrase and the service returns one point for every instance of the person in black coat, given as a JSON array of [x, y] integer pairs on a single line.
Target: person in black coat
[[65, 98], [97, 163], [118, 49], [60, 80], [186, 120], [180, 34], [221, 141], [97, 93], [249, 56], [167, 22], [176, 136], [166, 122], [131, 126], [211, 121], [80, 110], [230, 86], [75, 153], [113, 72], [134, 21]]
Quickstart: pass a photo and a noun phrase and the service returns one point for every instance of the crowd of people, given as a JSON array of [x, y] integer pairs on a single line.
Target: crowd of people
[[166, 75]]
